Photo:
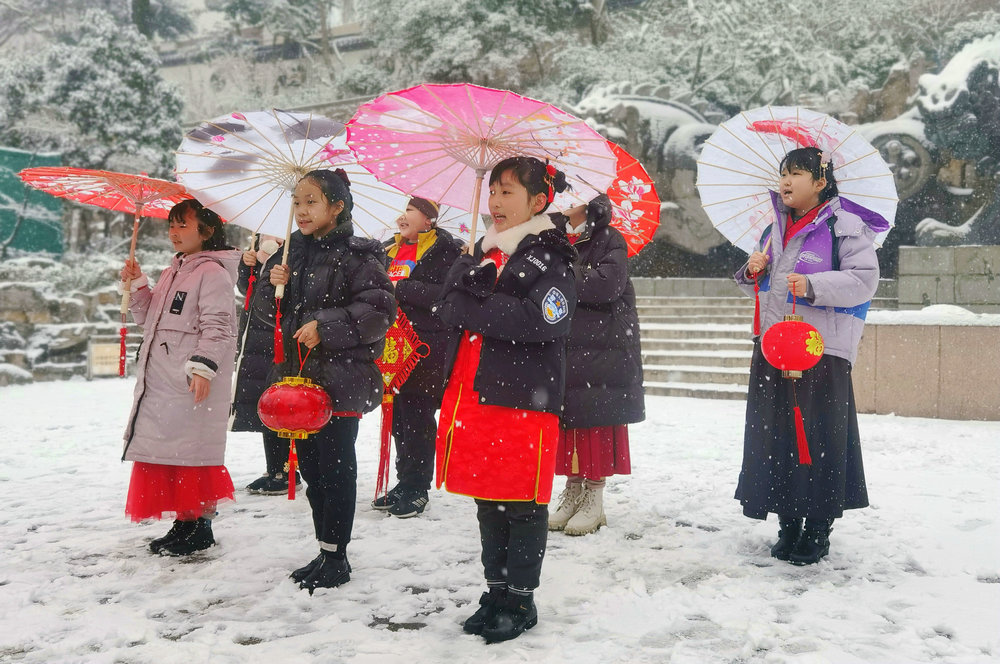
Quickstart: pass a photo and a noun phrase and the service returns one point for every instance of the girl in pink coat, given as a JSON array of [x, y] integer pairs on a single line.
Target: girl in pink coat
[[176, 433]]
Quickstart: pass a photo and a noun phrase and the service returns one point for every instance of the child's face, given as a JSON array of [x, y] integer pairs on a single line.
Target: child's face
[[510, 203], [799, 191], [314, 215], [184, 234], [411, 223]]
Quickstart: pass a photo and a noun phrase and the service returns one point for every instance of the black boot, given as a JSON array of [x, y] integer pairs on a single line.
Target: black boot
[[329, 573], [788, 537], [198, 539], [514, 615], [814, 543], [178, 530], [475, 623], [301, 573]]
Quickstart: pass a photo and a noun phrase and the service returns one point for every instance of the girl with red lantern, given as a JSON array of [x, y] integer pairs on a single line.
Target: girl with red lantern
[[418, 259], [604, 369], [512, 299], [176, 434], [817, 256], [338, 304]]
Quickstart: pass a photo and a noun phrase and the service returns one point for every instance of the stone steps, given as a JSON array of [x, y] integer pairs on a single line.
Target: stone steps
[[696, 336]]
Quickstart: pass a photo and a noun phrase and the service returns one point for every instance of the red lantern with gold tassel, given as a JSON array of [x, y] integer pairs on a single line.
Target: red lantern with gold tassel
[[294, 408], [794, 346], [403, 349]]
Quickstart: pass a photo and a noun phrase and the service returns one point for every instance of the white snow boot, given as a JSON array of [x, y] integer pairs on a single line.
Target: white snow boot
[[590, 515], [569, 503]]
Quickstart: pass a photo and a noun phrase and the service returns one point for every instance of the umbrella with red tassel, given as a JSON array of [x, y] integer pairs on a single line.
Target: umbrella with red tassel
[[793, 346], [403, 349], [121, 192]]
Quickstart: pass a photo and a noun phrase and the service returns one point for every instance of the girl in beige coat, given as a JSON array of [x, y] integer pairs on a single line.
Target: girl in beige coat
[[176, 433]]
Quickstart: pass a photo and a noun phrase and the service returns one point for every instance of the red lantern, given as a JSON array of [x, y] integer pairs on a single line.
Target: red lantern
[[293, 408], [794, 346]]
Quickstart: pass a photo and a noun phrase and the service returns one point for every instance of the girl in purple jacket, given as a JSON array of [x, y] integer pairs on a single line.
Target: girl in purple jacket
[[176, 433], [820, 251]]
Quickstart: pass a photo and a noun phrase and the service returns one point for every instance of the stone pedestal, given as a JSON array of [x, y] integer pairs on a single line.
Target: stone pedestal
[[967, 276]]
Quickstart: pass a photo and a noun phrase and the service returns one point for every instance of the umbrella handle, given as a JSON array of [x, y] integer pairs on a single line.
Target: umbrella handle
[[480, 173], [131, 256], [279, 291]]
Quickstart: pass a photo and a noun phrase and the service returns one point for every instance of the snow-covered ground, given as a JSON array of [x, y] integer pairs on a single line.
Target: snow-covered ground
[[679, 575]]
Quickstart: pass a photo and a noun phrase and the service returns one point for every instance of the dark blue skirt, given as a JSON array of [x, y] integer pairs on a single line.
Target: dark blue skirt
[[772, 480]]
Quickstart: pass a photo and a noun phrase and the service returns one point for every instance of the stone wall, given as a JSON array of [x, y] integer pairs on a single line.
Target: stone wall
[[944, 371], [967, 276]]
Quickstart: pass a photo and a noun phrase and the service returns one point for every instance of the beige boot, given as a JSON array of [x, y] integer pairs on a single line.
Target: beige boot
[[590, 515], [569, 502]]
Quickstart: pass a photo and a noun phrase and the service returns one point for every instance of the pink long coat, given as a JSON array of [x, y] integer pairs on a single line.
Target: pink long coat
[[189, 313]]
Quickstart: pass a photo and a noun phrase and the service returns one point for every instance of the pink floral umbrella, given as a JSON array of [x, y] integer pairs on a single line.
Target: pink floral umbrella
[[438, 141]]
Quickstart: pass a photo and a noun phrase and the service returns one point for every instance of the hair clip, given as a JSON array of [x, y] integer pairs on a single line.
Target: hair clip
[[550, 174]]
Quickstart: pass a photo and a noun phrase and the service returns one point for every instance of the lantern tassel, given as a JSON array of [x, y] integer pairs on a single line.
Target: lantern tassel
[[800, 434], [279, 340], [246, 302], [574, 463], [382, 481], [293, 466], [122, 331], [756, 306]]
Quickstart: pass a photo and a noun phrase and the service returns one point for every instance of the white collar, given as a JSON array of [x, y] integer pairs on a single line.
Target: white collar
[[507, 241]]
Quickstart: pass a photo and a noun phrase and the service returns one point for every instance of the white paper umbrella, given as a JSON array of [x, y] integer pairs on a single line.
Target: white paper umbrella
[[738, 167], [245, 166]]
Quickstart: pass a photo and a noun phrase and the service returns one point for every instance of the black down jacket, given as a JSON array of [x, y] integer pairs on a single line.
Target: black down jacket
[[524, 317], [340, 282], [416, 295], [604, 361], [256, 349]]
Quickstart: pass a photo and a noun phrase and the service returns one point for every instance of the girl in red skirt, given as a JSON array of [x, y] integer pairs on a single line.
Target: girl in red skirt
[[176, 433], [603, 370], [511, 299]]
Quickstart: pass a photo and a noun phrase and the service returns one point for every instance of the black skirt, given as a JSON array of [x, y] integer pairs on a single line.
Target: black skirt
[[772, 480]]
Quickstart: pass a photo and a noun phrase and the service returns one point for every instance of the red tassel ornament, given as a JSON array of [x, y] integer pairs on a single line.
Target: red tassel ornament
[[122, 331], [279, 339], [246, 302]]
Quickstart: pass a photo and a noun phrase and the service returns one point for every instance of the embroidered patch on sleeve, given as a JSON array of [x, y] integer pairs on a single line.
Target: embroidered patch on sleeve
[[554, 306]]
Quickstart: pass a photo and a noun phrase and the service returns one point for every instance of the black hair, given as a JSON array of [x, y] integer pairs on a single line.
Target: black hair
[[810, 159], [336, 186], [533, 175], [209, 223]]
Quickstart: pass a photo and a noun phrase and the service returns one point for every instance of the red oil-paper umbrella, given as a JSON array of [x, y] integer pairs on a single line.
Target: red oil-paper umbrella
[[403, 349], [121, 192]]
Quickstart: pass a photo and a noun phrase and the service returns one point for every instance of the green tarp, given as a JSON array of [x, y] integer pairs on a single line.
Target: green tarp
[[30, 220]]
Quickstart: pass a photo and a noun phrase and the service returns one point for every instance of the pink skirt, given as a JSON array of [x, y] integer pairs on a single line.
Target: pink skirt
[[185, 492], [600, 452]]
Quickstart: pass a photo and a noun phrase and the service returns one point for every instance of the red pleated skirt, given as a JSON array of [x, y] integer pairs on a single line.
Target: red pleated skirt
[[600, 452], [185, 492]]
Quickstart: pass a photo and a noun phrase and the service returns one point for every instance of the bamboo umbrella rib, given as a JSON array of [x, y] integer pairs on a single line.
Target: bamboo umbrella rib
[[781, 140], [733, 170], [242, 192], [267, 214], [741, 158], [756, 225], [860, 195], [857, 159], [846, 138], [731, 200], [460, 120], [774, 160], [865, 177], [738, 214], [759, 187], [453, 182], [432, 122]]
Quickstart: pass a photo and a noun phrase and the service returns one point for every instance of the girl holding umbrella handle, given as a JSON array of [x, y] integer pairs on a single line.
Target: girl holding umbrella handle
[[338, 304], [512, 299], [818, 254], [176, 434]]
